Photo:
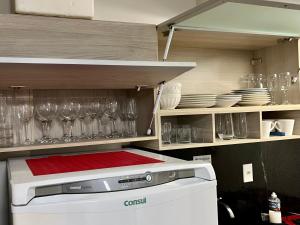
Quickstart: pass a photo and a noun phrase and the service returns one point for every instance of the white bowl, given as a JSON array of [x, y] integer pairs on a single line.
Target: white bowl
[[227, 103], [172, 87], [169, 101]]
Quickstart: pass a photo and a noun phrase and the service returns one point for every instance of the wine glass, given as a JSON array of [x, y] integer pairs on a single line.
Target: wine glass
[[91, 110], [284, 84], [273, 86], [69, 111], [113, 113], [3, 109], [124, 117], [81, 117], [24, 113], [46, 111], [132, 116], [102, 107]]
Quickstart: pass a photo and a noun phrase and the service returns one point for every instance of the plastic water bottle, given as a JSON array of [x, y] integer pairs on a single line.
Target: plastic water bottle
[[274, 209]]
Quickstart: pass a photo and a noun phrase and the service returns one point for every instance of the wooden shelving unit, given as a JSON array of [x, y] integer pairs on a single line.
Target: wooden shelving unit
[[205, 117]]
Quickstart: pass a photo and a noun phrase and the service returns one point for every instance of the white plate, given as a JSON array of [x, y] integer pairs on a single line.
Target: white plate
[[253, 104], [229, 96], [196, 106], [255, 100], [252, 89], [198, 98], [266, 98], [192, 95], [198, 103], [249, 91], [257, 94], [229, 99], [226, 103]]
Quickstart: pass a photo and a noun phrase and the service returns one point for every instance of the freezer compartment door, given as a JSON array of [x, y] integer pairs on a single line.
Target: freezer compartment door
[[191, 201]]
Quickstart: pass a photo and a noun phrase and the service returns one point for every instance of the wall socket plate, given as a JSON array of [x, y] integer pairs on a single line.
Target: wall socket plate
[[248, 173], [204, 158]]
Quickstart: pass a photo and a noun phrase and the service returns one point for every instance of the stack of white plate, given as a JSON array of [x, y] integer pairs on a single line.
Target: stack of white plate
[[197, 101], [228, 100], [254, 96]]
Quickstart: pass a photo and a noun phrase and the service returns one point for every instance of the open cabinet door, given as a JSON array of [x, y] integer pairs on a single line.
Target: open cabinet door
[[259, 21], [266, 17]]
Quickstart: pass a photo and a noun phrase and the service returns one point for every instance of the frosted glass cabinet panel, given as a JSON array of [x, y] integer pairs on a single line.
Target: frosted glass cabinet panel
[[280, 18]]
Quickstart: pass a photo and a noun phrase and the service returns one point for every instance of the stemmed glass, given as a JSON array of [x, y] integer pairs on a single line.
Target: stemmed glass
[[91, 110], [113, 113], [132, 116], [102, 107], [284, 84], [273, 86], [24, 113], [69, 111], [3, 109], [81, 116], [124, 117], [46, 111]]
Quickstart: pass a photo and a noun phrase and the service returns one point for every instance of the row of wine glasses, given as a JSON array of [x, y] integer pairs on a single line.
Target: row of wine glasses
[[107, 116], [277, 84]]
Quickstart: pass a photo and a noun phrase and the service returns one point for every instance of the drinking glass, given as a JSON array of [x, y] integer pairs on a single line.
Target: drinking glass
[[251, 81], [224, 126], [68, 111], [100, 114], [124, 117], [81, 116], [24, 113], [113, 114], [240, 125], [260, 81], [166, 130], [3, 109], [6, 131], [273, 87], [132, 116], [174, 134], [91, 110], [46, 111], [184, 134], [284, 84], [197, 135]]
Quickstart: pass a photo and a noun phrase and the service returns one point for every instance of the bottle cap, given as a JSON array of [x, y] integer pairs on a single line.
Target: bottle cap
[[274, 195]]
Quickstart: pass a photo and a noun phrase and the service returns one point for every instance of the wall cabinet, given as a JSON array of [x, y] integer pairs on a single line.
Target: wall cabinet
[[120, 77]]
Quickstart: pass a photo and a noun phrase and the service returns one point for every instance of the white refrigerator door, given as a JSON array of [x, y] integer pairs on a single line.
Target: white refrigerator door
[[191, 201]]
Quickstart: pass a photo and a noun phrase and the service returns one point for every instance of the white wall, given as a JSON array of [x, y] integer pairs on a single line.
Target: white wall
[[140, 11]]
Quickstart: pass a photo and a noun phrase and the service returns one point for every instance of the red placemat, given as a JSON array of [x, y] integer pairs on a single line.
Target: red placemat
[[75, 163]]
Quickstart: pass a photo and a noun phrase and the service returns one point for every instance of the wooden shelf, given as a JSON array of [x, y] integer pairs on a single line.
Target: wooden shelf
[[219, 142], [76, 144], [205, 119], [48, 73], [198, 111]]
